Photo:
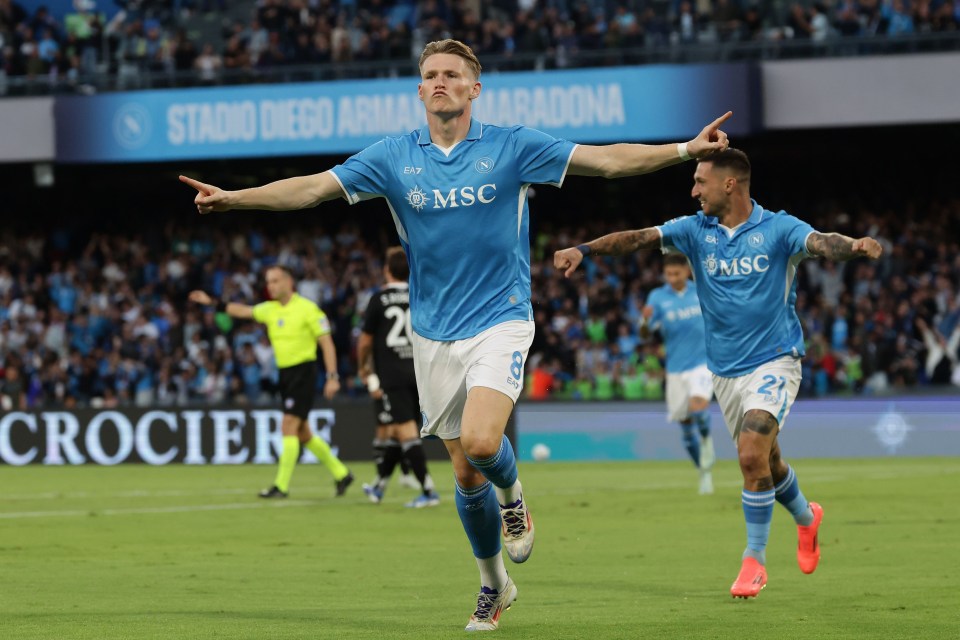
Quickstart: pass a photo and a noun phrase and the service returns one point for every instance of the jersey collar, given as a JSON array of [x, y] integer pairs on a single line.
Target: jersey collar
[[682, 292], [756, 216], [475, 133]]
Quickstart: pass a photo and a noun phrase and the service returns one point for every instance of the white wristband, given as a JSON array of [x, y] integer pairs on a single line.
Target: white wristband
[[682, 151], [373, 383]]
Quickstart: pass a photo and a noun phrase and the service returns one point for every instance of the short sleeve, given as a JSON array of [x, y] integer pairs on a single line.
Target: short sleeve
[[364, 175], [679, 234], [794, 233], [541, 158], [371, 317], [261, 312], [317, 321]]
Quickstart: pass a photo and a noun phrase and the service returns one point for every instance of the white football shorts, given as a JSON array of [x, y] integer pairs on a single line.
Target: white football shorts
[[692, 383], [446, 371], [771, 387]]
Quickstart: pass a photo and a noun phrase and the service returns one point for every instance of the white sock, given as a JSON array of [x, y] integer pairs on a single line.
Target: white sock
[[492, 572], [510, 494]]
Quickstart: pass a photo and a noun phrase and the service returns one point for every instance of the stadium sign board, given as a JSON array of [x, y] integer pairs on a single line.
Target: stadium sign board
[[649, 103]]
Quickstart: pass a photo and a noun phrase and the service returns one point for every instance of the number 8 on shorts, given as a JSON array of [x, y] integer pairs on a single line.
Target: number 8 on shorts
[[516, 369]]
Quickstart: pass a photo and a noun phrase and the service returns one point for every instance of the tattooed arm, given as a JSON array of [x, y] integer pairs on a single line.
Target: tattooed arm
[[614, 244], [622, 242], [835, 246]]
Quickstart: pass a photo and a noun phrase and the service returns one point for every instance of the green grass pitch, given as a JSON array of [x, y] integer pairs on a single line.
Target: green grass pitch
[[624, 550]]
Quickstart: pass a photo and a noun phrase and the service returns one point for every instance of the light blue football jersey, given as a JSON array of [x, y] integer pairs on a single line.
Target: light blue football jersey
[[746, 280], [462, 218], [677, 316]]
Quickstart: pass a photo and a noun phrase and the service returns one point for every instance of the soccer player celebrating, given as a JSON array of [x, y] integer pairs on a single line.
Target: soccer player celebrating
[[457, 192], [674, 311], [746, 258], [385, 354], [294, 325]]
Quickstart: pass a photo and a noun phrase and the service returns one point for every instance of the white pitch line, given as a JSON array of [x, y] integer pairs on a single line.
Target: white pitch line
[[134, 493], [73, 513], [736, 482]]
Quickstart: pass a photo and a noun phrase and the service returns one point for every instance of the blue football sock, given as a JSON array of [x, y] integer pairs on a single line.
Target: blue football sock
[[758, 512], [691, 442], [480, 515], [702, 420], [790, 496], [501, 468]]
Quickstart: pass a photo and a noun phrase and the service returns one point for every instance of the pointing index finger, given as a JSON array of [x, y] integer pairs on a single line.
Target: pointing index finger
[[196, 184], [719, 121]]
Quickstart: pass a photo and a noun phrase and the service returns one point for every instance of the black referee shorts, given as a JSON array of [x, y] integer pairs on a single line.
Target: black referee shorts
[[398, 405], [298, 384]]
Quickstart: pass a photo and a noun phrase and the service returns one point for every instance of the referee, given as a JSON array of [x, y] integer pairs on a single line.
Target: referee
[[295, 326], [385, 355]]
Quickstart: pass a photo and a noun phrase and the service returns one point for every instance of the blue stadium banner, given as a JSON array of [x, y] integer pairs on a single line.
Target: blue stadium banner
[[651, 103], [836, 428]]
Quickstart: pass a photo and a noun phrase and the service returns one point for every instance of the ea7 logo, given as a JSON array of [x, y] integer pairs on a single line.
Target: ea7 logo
[[412, 170], [710, 239]]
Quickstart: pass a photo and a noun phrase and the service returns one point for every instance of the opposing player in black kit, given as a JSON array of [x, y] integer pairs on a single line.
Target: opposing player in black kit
[[385, 353]]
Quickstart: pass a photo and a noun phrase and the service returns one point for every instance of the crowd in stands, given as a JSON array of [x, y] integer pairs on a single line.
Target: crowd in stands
[[103, 320], [154, 35]]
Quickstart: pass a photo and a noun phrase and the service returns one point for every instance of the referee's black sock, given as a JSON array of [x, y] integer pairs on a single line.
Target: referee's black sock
[[387, 454], [417, 460]]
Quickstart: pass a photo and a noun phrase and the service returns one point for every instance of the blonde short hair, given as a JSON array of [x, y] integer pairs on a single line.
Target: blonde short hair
[[454, 47]]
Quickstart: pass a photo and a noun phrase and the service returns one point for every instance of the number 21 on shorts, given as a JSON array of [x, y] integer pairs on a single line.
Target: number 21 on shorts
[[774, 395]]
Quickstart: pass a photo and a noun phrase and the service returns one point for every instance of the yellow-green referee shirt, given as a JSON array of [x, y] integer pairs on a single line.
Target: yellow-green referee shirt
[[293, 329]]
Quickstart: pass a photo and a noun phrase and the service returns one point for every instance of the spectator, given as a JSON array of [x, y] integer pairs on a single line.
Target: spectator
[[847, 21], [48, 48], [819, 23], [799, 23], [208, 65], [686, 23], [13, 396], [728, 19], [900, 19]]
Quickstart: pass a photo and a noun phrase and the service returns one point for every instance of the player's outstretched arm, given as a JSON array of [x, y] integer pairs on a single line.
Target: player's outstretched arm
[[621, 160], [301, 192], [835, 246], [233, 309], [614, 244]]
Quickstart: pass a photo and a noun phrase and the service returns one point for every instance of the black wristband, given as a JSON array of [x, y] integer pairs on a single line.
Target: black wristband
[[221, 307], [584, 249]]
